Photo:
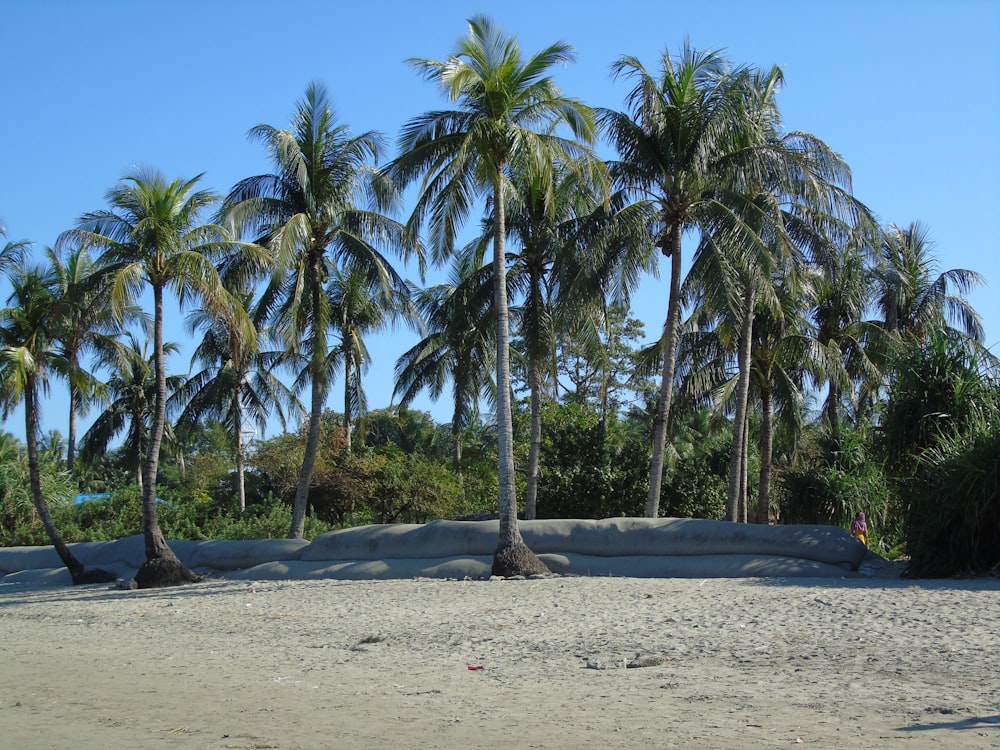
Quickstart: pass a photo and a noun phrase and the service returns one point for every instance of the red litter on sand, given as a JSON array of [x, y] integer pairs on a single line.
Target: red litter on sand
[[475, 667]]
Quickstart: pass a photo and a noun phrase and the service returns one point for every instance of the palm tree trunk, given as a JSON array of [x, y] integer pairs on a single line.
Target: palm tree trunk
[[241, 492], [348, 387], [745, 472], [308, 459], [162, 567], [155, 543], [766, 439], [456, 447], [301, 501], [535, 449], [512, 556], [138, 420], [670, 333], [74, 566], [739, 420], [833, 408], [74, 399]]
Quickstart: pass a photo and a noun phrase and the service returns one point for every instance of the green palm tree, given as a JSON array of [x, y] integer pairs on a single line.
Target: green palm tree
[[691, 147], [151, 236], [914, 302], [788, 218], [855, 346], [307, 212], [12, 252], [785, 356], [552, 218], [237, 384], [459, 347], [85, 325], [363, 299], [506, 110], [129, 395], [27, 356]]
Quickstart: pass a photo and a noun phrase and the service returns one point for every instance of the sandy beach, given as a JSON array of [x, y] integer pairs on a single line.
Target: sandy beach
[[562, 662]]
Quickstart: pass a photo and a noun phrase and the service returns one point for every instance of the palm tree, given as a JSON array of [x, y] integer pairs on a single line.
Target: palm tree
[[549, 204], [151, 236], [86, 325], [703, 144], [913, 302], [129, 393], [681, 147], [458, 347], [237, 384], [362, 300], [307, 212], [855, 346], [784, 355], [12, 252], [466, 152], [27, 355]]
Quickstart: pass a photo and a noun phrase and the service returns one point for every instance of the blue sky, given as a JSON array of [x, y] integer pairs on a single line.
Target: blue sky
[[906, 90]]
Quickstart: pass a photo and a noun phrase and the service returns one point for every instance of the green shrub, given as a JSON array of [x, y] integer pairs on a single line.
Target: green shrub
[[954, 523], [697, 487], [589, 468]]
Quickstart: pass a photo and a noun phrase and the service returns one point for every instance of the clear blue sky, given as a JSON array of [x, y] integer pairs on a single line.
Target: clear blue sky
[[906, 90]]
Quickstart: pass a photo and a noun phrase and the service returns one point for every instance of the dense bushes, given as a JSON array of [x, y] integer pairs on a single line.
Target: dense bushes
[[954, 521], [836, 476], [591, 468], [193, 516], [940, 436]]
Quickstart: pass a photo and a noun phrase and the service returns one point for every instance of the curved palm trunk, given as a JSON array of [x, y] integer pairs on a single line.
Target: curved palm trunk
[[512, 556], [673, 250], [766, 441], [738, 455], [535, 449], [301, 501], [162, 568], [74, 566]]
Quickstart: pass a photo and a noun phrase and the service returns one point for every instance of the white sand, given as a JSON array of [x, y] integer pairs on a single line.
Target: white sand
[[835, 663]]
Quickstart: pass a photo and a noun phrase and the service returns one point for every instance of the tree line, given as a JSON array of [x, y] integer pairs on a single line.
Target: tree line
[[792, 289]]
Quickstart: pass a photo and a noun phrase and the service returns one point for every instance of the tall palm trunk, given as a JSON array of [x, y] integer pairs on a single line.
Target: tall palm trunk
[[744, 493], [535, 449], [241, 491], [766, 441], [138, 420], [738, 455], [456, 447], [833, 408], [673, 251], [348, 387], [74, 400], [156, 546], [318, 392], [162, 568], [74, 566], [512, 556]]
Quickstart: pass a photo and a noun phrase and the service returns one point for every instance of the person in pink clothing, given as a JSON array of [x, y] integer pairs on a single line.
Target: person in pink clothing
[[859, 527]]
